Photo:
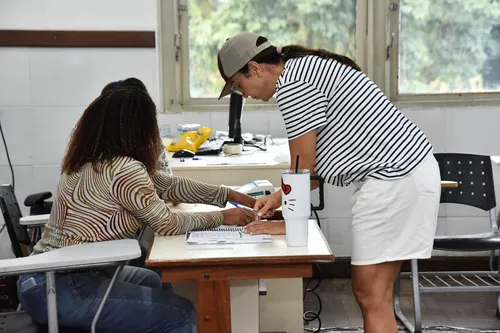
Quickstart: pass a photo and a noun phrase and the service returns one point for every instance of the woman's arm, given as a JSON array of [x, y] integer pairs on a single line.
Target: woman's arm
[[133, 189], [304, 146], [310, 107], [186, 190]]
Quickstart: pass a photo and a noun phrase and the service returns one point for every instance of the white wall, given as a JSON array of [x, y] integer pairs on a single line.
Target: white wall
[[43, 91]]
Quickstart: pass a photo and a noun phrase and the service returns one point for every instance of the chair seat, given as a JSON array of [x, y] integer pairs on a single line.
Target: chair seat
[[22, 323], [476, 242], [73, 256]]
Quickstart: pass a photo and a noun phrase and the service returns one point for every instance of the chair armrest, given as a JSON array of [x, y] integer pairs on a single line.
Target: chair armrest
[[34, 220], [32, 199], [74, 256]]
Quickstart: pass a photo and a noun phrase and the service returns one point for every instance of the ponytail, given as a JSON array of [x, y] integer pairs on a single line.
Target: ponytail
[[297, 51], [274, 55]]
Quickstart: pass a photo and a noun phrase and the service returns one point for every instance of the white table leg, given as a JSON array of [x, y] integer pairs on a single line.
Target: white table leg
[[245, 306]]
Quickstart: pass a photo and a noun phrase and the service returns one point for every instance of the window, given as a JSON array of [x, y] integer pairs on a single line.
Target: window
[[417, 51], [445, 49], [314, 23], [202, 26]]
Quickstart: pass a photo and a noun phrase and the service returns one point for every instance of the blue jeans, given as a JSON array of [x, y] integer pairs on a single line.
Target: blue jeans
[[136, 303]]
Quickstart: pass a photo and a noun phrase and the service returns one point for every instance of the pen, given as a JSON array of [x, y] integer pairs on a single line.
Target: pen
[[243, 207]]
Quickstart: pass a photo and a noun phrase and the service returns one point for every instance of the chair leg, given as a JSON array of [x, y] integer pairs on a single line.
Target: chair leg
[[416, 301], [396, 297], [498, 294], [105, 298], [51, 302], [416, 296], [492, 259], [498, 306], [397, 305]]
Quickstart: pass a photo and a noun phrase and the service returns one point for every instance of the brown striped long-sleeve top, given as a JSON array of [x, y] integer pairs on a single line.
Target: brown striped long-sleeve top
[[112, 200]]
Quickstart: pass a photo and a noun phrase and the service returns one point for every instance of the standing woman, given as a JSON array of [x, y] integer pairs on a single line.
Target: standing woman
[[347, 131]]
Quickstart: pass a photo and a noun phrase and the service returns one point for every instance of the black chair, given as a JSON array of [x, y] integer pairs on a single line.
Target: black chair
[[19, 234], [20, 322], [11, 212], [38, 203], [476, 189]]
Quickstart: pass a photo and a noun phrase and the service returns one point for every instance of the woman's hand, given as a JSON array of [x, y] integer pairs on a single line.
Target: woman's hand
[[272, 228], [238, 216], [267, 205]]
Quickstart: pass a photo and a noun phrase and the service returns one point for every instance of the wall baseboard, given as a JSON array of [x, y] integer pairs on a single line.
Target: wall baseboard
[[341, 268]]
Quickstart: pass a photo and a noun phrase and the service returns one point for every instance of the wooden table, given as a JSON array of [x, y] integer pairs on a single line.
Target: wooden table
[[214, 266]]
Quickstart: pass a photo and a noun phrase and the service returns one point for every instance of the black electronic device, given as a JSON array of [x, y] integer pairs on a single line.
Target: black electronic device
[[183, 153]]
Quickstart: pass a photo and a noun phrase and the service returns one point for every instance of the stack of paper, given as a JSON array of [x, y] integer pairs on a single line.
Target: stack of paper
[[225, 235]]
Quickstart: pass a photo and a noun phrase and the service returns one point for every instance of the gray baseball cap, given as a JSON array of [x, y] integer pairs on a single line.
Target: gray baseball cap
[[236, 52]]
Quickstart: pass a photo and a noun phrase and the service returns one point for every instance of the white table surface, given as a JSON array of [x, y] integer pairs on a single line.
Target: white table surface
[[172, 249]]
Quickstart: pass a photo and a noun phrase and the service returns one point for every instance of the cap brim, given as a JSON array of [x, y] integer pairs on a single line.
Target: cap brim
[[226, 90]]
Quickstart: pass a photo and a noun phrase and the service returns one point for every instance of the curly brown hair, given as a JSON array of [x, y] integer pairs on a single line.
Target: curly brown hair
[[120, 123]]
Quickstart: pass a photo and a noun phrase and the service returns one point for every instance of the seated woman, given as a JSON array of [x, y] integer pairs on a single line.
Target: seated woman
[[108, 188]]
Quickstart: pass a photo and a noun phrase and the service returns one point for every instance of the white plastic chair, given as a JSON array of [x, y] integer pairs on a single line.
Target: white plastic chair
[[109, 253]]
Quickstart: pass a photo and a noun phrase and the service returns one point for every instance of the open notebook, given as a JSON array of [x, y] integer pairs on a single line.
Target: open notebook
[[225, 235]]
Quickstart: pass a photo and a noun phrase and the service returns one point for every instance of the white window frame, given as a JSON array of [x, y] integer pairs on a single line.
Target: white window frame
[[376, 23], [173, 41], [423, 100]]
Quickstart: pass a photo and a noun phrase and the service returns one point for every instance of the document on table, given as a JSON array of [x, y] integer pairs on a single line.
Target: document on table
[[225, 235]]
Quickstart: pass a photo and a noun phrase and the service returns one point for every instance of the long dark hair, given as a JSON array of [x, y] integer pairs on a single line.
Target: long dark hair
[[119, 123], [271, 56], [130, 82]]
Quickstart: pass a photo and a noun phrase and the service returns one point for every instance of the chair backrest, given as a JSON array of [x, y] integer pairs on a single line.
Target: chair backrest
[[11, 215], [474, 176]]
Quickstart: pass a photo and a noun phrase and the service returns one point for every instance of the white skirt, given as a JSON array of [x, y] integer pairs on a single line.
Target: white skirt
[[396, 219]]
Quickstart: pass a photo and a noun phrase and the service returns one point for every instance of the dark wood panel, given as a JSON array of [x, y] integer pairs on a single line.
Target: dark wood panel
[[239, 261], [178, 274], [66, 38], [341, 268], [214, 306]]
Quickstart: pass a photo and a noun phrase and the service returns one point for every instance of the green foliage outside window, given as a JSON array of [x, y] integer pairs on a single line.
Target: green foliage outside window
[[445, 45]]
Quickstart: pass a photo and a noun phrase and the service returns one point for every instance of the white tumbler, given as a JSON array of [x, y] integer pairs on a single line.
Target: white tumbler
[[296, 205]]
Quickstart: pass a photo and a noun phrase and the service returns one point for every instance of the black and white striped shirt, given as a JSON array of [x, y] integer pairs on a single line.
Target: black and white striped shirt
[[360, 133]]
